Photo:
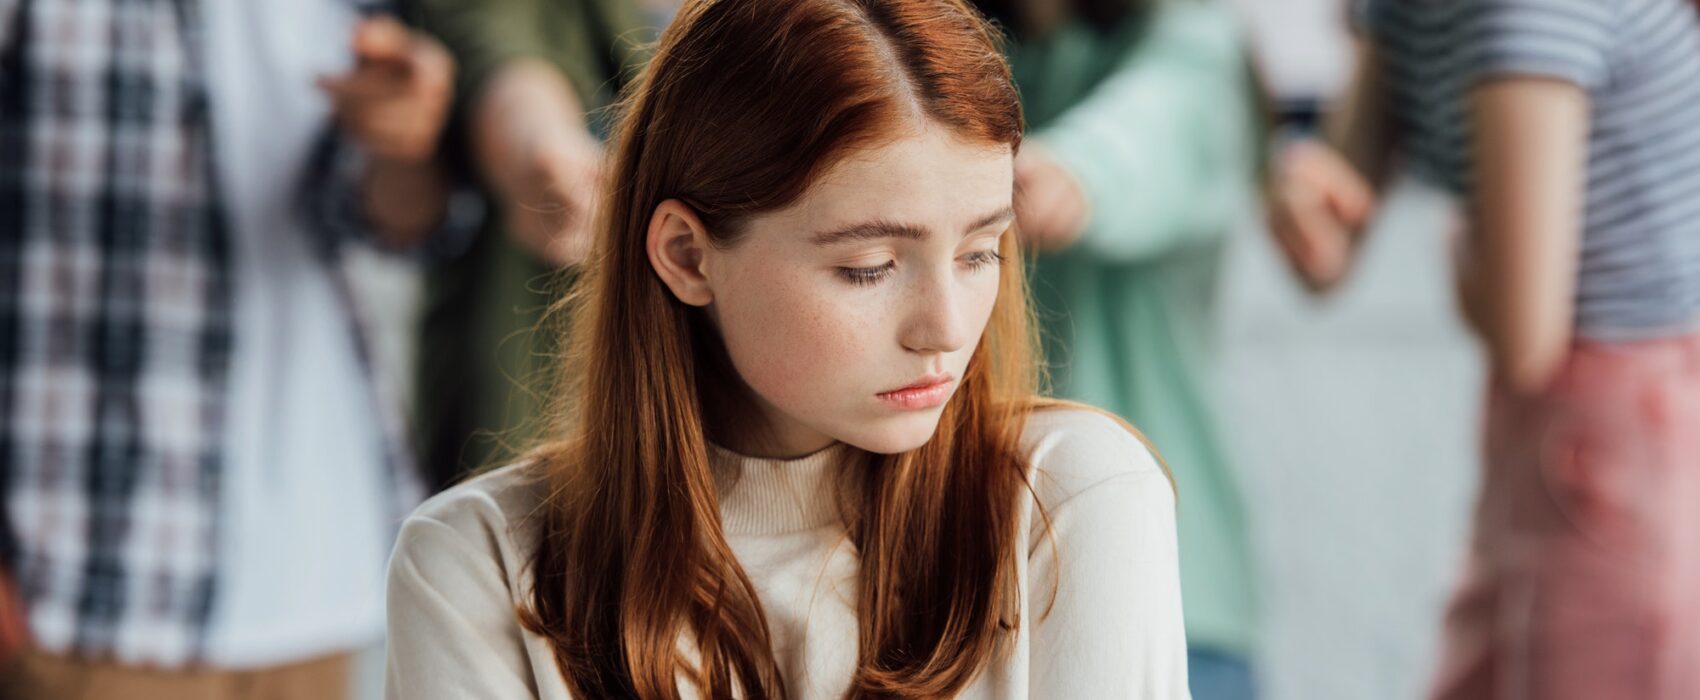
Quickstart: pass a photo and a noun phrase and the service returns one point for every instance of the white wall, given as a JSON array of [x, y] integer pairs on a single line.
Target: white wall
[[1355, 421]]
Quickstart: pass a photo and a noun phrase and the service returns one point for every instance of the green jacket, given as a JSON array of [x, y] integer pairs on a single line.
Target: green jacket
[[1158, 123], [483, 364]]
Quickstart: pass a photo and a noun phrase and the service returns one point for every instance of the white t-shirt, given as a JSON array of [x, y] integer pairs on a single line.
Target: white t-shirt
[[302, 548], [1115, 630]]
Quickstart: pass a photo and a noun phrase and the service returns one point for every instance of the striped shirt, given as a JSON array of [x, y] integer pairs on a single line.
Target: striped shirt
[[1639, 61]]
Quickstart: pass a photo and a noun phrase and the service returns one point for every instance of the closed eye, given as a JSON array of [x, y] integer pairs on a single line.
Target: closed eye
[[983, 258], [863, 276]]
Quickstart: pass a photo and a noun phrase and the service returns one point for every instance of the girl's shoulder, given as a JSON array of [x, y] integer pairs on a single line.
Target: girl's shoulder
[[1073, 447], [486, 517], [459, 573]]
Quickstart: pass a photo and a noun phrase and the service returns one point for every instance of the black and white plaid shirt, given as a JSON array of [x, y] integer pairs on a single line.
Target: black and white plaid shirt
[[116, 302]]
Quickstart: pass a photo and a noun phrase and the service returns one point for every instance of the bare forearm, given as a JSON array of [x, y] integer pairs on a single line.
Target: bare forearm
[[1531, 161], [533, 148], [525, 105]]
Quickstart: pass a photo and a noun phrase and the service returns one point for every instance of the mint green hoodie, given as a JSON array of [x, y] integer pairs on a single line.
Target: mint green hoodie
[[1157, 122]]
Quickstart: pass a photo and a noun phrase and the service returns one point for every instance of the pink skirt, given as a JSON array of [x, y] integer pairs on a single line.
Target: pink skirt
[[1584, 573]]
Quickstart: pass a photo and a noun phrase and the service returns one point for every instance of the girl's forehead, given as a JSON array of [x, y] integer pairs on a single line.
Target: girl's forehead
[[932, 180]]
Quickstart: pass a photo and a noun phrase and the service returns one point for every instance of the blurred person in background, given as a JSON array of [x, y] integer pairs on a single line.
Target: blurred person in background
[[535, 79], [1569, 133], [1142, 157], [200, 470]]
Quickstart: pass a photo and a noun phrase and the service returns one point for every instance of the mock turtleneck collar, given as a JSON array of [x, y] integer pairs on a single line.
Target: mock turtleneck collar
[[776, 496]]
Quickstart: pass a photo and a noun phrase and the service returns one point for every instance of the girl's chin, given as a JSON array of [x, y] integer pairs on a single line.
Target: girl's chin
[[895, 435]]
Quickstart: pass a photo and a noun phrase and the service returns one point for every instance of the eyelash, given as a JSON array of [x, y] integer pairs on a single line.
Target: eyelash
[[864, 276]]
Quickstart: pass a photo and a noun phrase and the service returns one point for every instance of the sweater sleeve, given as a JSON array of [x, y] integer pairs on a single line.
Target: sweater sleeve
[[452, 626], [1114, 628], [1164, 147]]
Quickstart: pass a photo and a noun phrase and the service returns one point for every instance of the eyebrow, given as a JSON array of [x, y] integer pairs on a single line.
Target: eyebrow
[[880, 228]]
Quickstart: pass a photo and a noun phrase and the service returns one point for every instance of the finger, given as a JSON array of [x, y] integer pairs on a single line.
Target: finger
[[358, 119], [364, 85], [1293, 246], [1351, 198], [333, 85], [404, 118], [1340, 184], [385, 136], [1284, 220], [351, 118], [380, 143], [1317, 232], [431, 62], [382, 39], [1316, 241], [419, 121], [1328, 245], [428, 70]]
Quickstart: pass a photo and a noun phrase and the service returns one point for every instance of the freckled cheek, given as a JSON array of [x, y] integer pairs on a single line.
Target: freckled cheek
[[981, 305], [798, 344], [976, 308]]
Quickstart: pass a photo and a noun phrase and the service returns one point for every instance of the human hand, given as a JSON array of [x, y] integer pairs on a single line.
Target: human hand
[[1319, 206], [395, 100], [1050, 205]]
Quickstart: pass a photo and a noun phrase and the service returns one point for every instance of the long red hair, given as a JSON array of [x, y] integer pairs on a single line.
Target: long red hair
[[744, 105]]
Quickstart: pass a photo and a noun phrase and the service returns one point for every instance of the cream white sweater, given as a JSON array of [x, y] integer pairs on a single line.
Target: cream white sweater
[[1114, 631]]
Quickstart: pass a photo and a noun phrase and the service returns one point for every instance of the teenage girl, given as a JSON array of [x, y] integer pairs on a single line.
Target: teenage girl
[[802, 454]]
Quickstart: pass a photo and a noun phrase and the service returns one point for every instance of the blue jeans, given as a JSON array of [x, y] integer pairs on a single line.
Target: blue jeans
[[1215, 675]]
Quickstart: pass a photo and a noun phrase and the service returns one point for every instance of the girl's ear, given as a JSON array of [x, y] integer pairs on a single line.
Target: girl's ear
[[677, 243]]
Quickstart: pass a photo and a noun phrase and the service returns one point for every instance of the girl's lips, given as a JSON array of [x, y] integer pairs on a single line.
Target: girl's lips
[[926, 393]]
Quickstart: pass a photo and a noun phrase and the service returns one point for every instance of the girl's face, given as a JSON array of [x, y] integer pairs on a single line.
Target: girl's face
[[851, 315]]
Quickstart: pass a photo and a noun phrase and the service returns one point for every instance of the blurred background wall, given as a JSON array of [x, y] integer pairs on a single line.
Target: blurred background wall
[[1355, 420]]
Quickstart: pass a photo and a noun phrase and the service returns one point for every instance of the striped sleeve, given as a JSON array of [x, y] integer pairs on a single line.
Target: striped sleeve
[[1569, 40]]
